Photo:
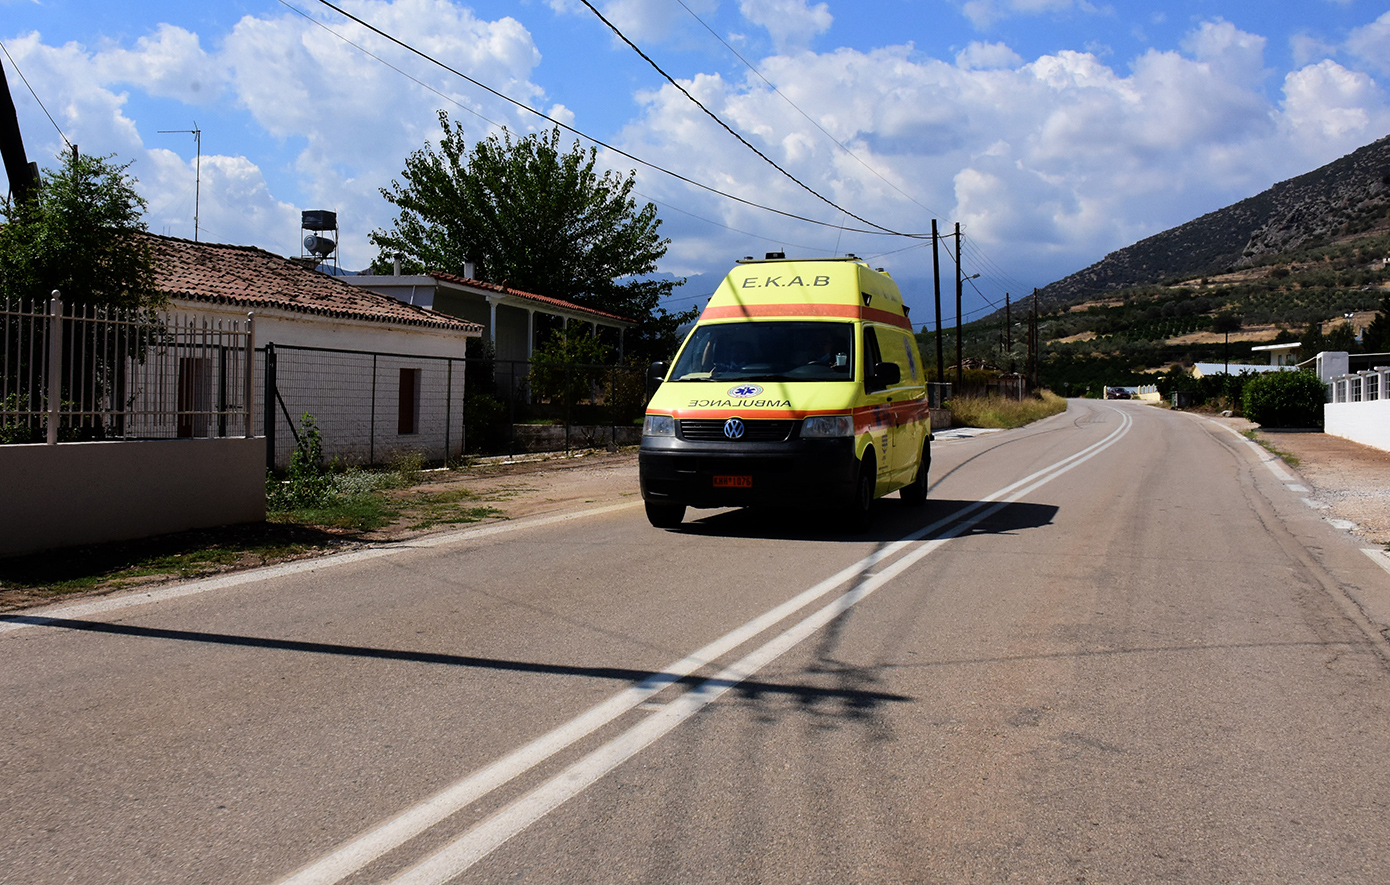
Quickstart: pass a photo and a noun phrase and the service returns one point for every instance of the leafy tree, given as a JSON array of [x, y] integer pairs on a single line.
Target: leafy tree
[[81, 234], [1342, 337], [1312, 341], [1284, 399], [1375, 338], [566, 368], [534, 217]]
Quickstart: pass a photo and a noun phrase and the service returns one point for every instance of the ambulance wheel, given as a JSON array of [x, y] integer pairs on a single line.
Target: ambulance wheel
[[861, 505], [665, 516], [916, 493]]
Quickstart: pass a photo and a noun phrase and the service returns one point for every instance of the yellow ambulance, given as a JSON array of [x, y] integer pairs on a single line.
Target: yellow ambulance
[[801, 385]]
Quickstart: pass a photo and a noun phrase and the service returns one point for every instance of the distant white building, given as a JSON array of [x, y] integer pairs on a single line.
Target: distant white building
[[1280, 354], [1203, 370]]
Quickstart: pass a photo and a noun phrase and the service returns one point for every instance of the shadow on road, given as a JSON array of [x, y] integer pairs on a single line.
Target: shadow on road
[[893, 520], [859, 698]]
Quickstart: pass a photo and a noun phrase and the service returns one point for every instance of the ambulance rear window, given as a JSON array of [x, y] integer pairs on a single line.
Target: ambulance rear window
[[774, 350]]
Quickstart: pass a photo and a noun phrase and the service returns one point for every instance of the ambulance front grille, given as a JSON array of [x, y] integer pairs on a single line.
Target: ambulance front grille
[[712, 430]]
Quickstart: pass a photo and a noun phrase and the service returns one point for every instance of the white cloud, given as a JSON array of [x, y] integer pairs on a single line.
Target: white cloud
[[1371, 44], [1308, 49], [984, 13], [170, 64], [983, 56], [792, 24], [1054, 162], [352, 119], [69, 81], [1336, 106]]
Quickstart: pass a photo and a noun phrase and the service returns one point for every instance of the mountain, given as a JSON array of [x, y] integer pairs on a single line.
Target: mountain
[[1346, 197]]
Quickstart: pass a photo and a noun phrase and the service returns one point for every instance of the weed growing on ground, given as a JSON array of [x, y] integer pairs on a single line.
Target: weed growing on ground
[[996, 411], [1255, 437]]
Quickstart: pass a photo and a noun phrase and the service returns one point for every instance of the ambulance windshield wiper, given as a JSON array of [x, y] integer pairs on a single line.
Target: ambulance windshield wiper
[[754, 376]]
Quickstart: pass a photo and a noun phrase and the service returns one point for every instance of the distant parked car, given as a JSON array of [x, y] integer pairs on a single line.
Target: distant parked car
[[1116, 393]]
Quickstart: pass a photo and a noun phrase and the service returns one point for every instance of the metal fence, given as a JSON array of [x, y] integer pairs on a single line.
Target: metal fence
[[372, 407], [92, 373], [519, 406]]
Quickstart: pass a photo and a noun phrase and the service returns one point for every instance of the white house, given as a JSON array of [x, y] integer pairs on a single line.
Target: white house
[[380, 376], [507, 316]]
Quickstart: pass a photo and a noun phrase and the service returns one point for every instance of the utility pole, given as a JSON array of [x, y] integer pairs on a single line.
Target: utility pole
[[23, 175], [960, 376], [1033, 344], [936, 275], [1008, 333]]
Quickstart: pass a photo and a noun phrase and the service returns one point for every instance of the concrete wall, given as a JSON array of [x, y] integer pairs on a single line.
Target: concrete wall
[[1366, 422], [86, 493]]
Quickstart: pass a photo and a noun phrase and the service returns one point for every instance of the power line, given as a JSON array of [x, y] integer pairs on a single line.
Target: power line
[[727, 128], [809, 119], [571, 129], [36, 95]]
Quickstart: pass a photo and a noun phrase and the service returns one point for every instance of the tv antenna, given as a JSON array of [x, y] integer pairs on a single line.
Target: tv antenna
[[197, 169]]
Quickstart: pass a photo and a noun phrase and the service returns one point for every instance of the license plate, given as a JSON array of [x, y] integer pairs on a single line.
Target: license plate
[[733, 482]]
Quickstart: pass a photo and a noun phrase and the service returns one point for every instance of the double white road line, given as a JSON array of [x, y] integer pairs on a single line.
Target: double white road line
[[859, 580]]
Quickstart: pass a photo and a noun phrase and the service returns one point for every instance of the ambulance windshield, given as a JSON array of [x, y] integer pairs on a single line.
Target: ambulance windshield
[[767, 350]]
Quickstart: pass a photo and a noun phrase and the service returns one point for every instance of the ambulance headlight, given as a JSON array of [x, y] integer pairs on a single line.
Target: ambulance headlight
[[824, 426], [659, 425]]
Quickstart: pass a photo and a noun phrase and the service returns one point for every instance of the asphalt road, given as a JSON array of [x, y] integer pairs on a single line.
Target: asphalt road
[[1115, 646]]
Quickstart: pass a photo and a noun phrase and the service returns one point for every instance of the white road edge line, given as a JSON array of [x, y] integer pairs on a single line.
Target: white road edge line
[[1268, 458], [36, 617], [486, 837], [1379, 557]]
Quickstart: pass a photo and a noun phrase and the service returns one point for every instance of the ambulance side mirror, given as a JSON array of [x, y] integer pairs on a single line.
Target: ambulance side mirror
[[656, 373]]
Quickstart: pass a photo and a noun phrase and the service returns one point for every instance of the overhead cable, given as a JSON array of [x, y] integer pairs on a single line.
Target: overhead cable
[[35, 94], [809, 119], [568, 128], [727, 128]]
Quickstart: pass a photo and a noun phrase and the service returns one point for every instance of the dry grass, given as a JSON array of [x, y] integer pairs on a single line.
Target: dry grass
[[994, 411]]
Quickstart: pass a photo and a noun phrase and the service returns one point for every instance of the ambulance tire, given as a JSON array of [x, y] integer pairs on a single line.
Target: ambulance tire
[[665, 516], [860, 509], [915, 493]]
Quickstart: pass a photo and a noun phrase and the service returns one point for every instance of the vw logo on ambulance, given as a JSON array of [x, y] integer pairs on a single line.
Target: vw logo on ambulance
[[733, 428]]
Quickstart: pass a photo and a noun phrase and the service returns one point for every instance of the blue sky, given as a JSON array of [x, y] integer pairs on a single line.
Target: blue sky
[[1054, 131]]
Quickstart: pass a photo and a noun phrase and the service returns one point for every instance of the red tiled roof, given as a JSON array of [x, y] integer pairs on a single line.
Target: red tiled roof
[[245, 276], [543, 299]]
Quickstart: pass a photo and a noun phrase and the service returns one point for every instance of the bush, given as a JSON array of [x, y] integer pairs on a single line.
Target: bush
[[1285, 399], [307, 483]]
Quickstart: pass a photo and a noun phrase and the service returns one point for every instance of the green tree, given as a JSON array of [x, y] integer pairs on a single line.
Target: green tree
[[567, 368], [1375, 338], [537, 218], [1342, 337], [1312, 341], [82, 234]]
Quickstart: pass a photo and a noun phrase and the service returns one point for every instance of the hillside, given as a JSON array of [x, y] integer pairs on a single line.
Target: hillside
[[1346, 197]]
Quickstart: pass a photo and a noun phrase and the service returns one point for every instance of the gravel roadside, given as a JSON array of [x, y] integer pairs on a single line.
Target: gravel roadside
[[1350, 482]]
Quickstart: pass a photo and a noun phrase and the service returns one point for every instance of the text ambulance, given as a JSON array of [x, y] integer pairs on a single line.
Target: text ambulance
[[801, 385]]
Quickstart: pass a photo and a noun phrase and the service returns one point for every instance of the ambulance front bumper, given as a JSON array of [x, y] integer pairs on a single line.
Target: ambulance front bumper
[[796, 472]]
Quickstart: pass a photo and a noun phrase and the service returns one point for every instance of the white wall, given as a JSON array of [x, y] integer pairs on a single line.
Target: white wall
[[1366, 422], [356, 408], [93, 492]]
